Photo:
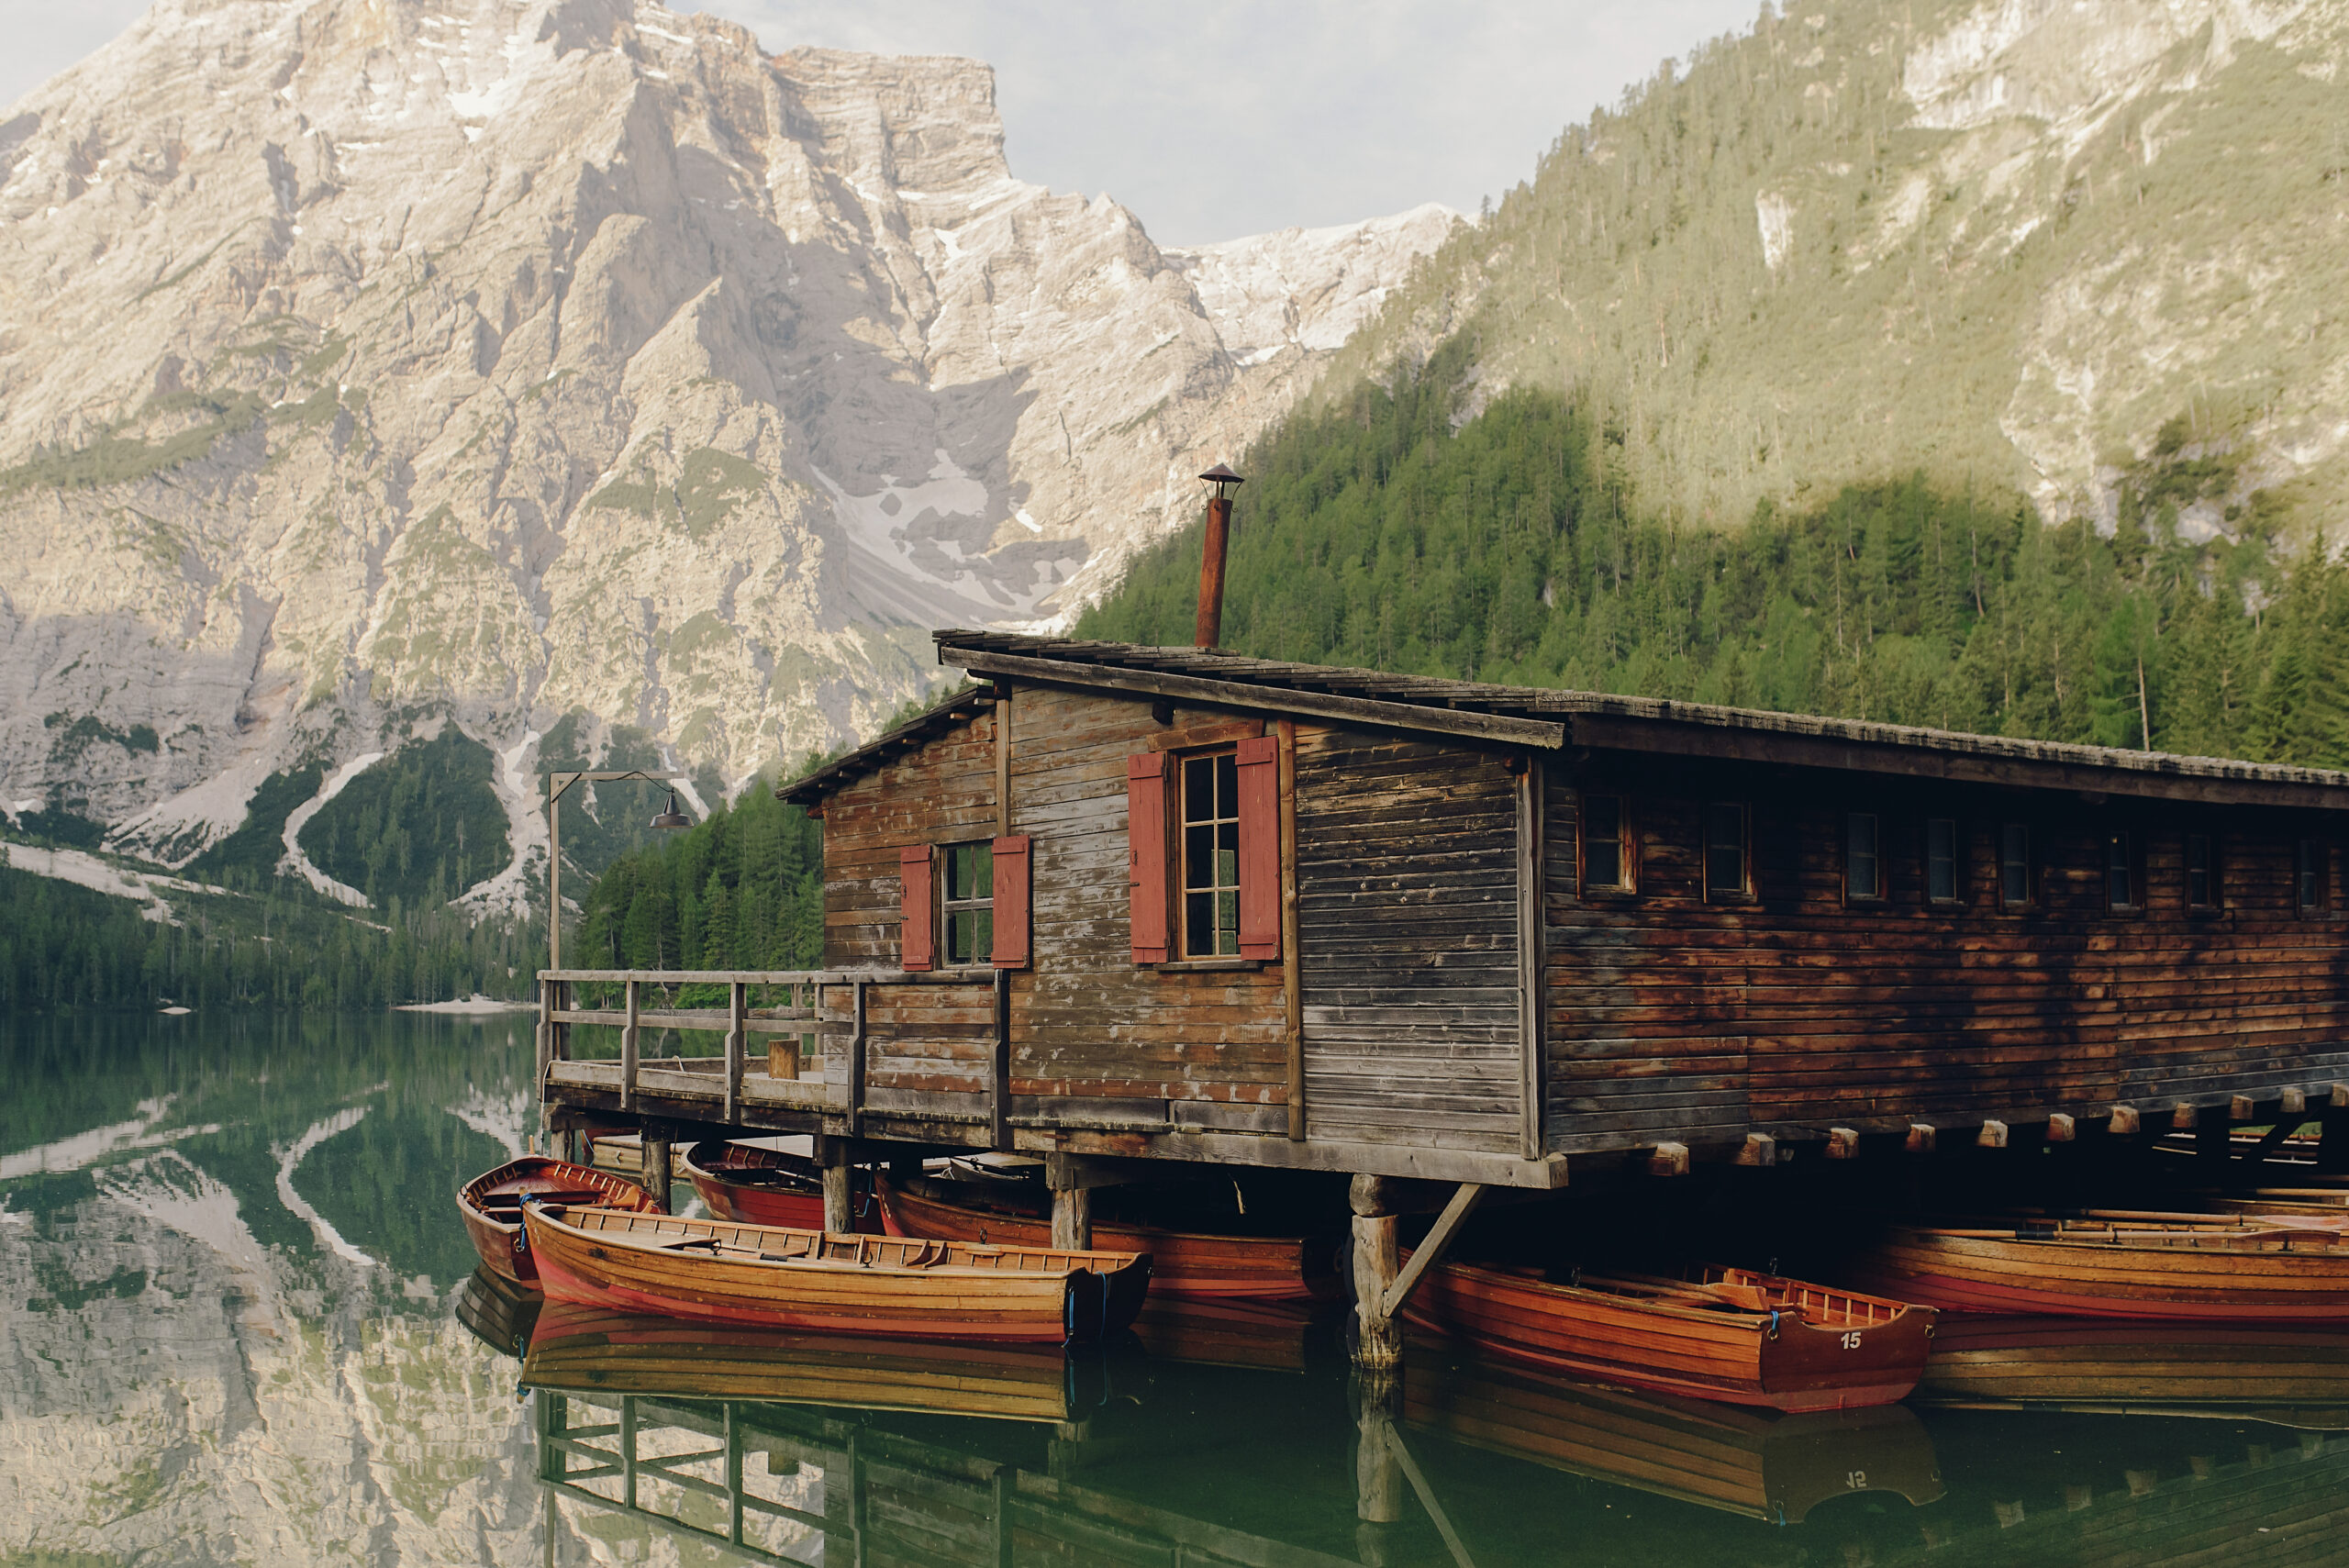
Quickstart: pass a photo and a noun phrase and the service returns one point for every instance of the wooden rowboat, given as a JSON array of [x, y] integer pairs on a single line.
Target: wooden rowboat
[[1728, 1334], [2291, 1374], [492, 1206], [757, 1187], [718, 1271], [2213, 1268], [1182, 1262], [591, 1350], [1269, 1336], [1762, 1463]]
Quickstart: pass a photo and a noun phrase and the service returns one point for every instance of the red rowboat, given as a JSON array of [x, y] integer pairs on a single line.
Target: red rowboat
[[1728, 1334], [718, 1271], [2215, 1268], [492, 1206], [757, 1187], [1182, 1262]]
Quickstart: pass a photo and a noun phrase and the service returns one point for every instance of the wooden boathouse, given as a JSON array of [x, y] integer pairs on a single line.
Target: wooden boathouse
[[1117, 903]]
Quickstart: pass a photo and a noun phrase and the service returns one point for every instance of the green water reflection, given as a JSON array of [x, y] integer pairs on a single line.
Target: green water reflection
[[242, 1324]]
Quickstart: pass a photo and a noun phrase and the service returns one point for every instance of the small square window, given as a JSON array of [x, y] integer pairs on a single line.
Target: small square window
[[2014, 865], [1862, 865], [1941, 859], [1726, 873], [1210, 814], [969, 904], [2201, 871], [2121, 870], [1606, 845], [2311, 868]]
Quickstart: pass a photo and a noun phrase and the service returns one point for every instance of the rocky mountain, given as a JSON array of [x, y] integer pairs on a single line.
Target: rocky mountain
[[2023, 246], [368, 365]]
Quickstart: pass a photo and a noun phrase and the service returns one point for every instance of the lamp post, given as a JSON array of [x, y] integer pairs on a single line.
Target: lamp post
[[557, 786], [1225, 483]]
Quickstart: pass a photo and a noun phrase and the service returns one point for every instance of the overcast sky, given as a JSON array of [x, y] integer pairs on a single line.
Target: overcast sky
[[1210, 118]]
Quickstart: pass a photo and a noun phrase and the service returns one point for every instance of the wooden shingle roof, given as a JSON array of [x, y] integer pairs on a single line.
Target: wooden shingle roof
[[1545, 719]]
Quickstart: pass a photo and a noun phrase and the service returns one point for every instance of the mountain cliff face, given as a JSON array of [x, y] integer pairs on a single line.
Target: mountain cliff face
[[2027, 246], [364, 363]]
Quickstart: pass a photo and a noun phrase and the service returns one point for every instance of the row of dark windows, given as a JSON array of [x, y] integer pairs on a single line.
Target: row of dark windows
[[1610, 860]]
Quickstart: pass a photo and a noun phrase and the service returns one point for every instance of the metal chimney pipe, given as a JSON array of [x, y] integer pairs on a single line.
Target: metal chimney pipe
[[1211, 624]]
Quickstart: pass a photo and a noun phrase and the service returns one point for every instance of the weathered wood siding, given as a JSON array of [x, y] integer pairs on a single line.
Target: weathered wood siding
[[1407, 916], [1205, 1048], [1673, 1018], [921, 1040]]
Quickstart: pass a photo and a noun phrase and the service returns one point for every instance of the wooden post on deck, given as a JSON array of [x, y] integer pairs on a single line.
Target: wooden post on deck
[[629, 1033], [2333, 1138], [1377, 1344], [840, 1211], [656, 1171], [1073, 1218]]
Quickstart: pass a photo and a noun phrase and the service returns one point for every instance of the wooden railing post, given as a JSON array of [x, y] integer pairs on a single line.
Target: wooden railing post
[[738, 1020], [999, 1078], [627, 1050]]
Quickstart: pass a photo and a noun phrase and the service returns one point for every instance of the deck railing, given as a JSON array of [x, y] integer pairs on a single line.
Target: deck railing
[[800, 1016]]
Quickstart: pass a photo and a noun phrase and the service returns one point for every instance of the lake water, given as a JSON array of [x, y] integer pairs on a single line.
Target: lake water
[[242, 1325]]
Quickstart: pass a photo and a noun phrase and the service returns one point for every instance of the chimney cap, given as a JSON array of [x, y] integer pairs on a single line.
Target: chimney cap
[[1221, 474]]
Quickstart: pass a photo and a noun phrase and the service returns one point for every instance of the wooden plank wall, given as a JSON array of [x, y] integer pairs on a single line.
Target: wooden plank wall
[[919, 1039], [1673, 1018], [1406, 919], [1196, 1049], [1085, 1021]]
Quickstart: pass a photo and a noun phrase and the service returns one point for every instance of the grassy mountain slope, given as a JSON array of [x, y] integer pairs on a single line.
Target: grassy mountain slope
[[2009, 246]]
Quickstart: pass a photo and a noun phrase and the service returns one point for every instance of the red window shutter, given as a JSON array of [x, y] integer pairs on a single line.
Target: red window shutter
[[1146, 846], [918, 937], [1012, 903], [1259, 848]]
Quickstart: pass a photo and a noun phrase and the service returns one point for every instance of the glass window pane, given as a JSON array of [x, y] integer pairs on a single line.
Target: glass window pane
[[1941, 859], [2120, 881], [1199, 790], [1603, 860], [1198, 856], [1725, 849], [1226, 923], [2197, 869], [1861, 877], [1198, 923], [2014, 864], [982, 934], [1604, 865]]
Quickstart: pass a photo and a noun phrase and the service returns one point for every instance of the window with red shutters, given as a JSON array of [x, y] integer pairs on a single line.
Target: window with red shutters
[[1146, 850], [1011, 883], [1260, 849], [918, 936]]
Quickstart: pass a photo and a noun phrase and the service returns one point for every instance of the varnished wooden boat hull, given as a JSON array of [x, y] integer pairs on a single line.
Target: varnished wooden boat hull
[[2304, 1281], [1261, 1268], [1783, 1362], [711, 1166], [2294, 1376], [591, 1350], [832, 1283], [500, 1241], [1763, 1464]]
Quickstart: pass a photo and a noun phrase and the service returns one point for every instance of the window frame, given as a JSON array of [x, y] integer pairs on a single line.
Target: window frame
[[2216, 901], [1179, 885], [1743, 892], [1875, 855], [1627, 840], [2312, 883], [1956, 899], [948, 905], [2130, 864], [2030, 899]]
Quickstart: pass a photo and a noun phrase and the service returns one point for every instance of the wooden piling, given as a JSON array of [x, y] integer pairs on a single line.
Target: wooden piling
[[1073, 1218], [656, 1176], [1378, 1344], [832, 1158]]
